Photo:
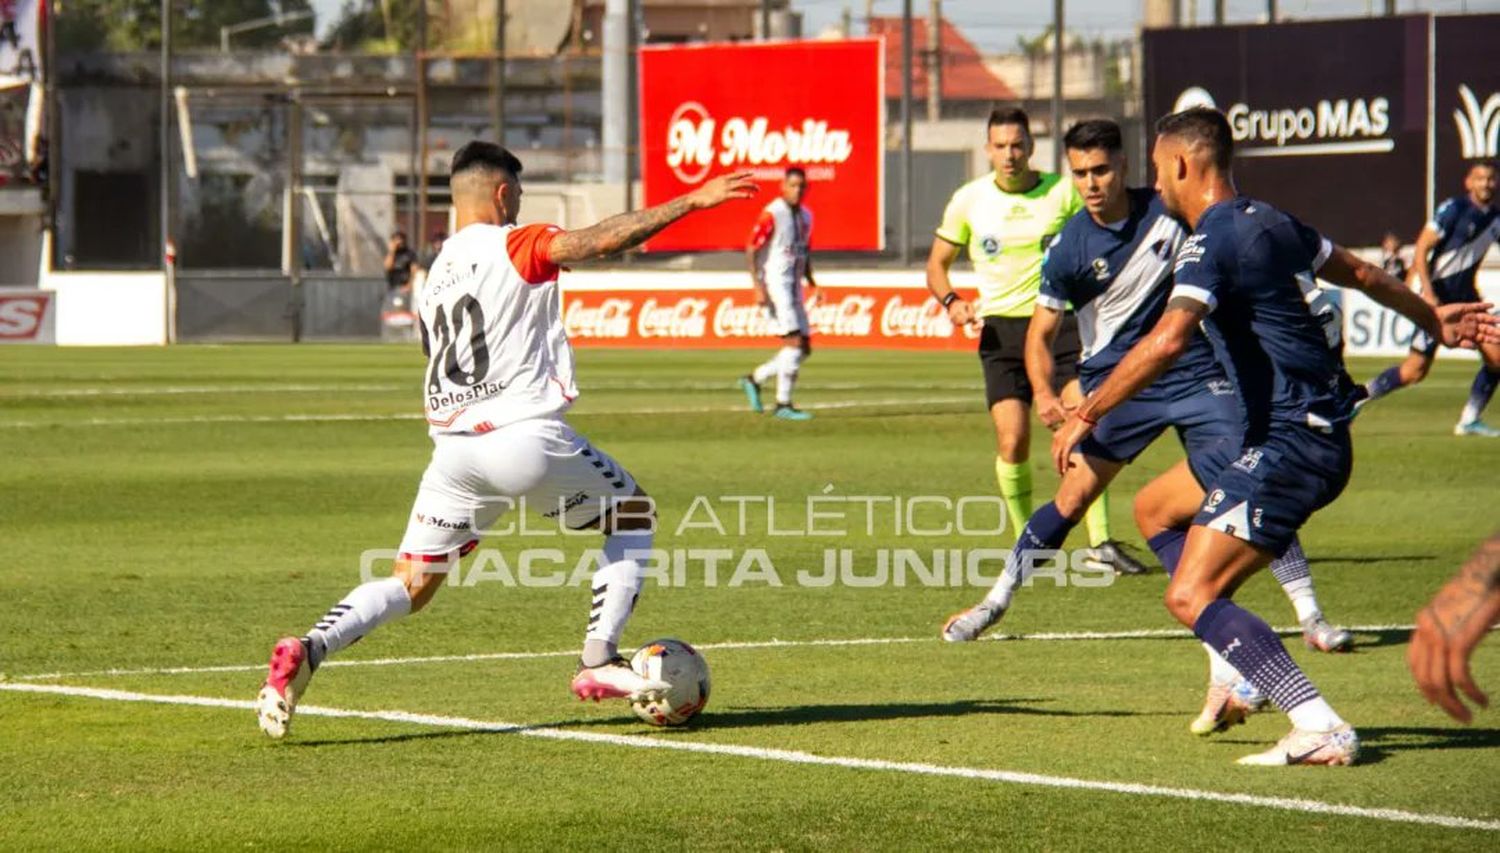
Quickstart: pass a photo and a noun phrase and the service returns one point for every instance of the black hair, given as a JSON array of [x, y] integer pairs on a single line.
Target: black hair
[[479, 154], [1094, 134], [1009, 115], [1201, 126], [1480, 164], [795, 170]]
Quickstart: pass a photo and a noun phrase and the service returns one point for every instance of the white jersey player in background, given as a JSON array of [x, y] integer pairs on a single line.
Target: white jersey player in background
[[779, 261], [498, 380]]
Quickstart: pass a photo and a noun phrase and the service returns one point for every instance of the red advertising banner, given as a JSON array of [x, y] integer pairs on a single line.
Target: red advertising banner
[[716, 108], [722, 317]]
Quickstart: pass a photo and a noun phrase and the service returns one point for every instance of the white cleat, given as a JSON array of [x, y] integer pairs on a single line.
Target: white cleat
[[1227, 704], [1338, 747], [1320, 636], [1479, 428], [614, 679], [290, 672], [968, 625]]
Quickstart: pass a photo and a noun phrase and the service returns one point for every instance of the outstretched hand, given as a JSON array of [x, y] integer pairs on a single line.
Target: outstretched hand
[[1468, 324], [723, 188]]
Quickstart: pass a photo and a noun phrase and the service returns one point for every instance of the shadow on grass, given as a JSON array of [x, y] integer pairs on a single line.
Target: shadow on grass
[[1377, 639], [796, 715], [1371, 559]]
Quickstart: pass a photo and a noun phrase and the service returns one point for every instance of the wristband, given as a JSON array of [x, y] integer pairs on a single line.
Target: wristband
[[949, 298], [1086, 419]]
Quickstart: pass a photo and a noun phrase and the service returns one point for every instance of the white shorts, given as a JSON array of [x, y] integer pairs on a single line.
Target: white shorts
[[540, 465], [790, 314]]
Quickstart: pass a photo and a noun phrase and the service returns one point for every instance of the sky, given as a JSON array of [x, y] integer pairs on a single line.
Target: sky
[[994, 27]]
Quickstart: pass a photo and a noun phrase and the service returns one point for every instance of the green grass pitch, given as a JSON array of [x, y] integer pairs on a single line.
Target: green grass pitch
[[183, 507]]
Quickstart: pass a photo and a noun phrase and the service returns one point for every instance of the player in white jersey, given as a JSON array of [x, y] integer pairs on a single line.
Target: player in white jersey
[[499, 378], [779, 262]]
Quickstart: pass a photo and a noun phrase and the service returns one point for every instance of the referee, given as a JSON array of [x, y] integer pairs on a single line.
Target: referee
[[1006, 219]]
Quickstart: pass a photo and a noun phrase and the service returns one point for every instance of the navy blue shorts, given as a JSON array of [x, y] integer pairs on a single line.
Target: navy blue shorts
[[1447, 293], [1274, 487], [1204, 418]]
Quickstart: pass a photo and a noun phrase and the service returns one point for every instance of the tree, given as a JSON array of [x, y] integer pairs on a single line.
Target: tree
[[131, 25]]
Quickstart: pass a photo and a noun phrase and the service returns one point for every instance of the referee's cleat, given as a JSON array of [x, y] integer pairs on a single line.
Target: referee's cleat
[[1115, 555], [752, 393], [1338, 747], [1476, 427], [788, 412], [968, 625], [1320, 636]]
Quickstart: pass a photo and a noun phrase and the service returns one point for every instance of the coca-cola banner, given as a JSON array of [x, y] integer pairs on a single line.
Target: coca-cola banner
[[719, 310], [715, 108]]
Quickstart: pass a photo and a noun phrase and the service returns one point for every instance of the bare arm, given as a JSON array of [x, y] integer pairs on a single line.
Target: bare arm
[[1041, 334], [1425, 241], [942, 256], [627, 230], [1449, 628], [1345, 269]]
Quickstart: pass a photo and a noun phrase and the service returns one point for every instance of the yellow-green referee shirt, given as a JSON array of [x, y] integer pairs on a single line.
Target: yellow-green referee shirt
[[1007, 233]]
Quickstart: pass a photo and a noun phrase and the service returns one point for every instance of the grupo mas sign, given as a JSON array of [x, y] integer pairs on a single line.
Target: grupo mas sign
[[715, 108], [719, 311]]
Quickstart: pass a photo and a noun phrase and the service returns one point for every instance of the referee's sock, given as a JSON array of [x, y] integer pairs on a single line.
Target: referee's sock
[[1096, 519], [1015, 488]]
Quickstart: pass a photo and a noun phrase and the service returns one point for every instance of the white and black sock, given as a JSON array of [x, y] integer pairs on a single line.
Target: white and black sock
[[790, 360], [616, 587], [365, 608]]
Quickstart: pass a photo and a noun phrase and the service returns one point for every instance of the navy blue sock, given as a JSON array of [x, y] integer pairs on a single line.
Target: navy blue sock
[[1167, 546], [1251, 647], [1388, 381], [1046, 530], [1480, 393]]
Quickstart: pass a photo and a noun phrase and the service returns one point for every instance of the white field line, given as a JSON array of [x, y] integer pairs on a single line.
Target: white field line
[[67, 421], [788, 756], [302, 388], [1144, 634]]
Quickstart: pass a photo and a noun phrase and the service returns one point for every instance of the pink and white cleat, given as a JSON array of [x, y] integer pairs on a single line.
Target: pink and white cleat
[[614, 679], [1337, 747], [290, 672]]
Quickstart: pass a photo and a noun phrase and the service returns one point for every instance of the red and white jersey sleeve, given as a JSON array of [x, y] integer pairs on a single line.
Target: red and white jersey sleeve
[[491, 318], [783, 252]]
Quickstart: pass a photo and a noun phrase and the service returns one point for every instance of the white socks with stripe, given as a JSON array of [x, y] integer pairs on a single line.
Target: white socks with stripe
[[364, 609], [615, 588], [786, 374]]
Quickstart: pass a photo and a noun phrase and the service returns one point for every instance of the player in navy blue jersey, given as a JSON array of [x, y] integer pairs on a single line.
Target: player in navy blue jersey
[[1113, 263], [1447, 255], [1247, 274]]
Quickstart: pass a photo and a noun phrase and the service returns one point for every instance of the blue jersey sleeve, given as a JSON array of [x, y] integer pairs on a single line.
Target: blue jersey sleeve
[[1317, 246], [1057, 277], [1203, 271], [1446, 217]]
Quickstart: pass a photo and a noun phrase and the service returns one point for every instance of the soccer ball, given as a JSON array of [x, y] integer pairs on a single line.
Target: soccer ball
[[679, 665]]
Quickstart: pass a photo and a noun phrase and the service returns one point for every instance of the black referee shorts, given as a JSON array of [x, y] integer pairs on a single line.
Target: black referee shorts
[[1002, 353]]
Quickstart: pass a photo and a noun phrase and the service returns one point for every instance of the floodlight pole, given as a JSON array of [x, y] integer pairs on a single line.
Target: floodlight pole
[[1057, 85], [904, 202]]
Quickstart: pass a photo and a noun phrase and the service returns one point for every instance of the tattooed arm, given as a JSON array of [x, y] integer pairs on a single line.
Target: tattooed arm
[[1451, 626], [627, 230]]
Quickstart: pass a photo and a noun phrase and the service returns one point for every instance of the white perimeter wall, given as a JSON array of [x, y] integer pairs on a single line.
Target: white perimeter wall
[[109, 308]]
